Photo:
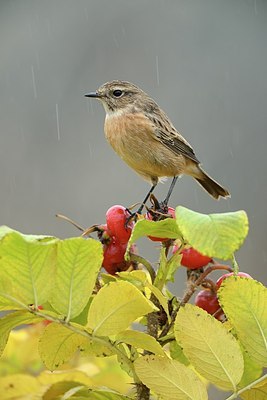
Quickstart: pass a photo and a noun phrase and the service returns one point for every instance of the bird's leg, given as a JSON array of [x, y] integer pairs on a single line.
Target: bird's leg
[[133, 216], [165, 202], [140, 209]]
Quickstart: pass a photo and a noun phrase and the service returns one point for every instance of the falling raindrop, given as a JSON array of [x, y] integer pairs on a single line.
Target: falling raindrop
[[22, 133], [255, 7], [89, 106], [48, 27], [58, 129], [90, 151], [37, 59], [115, 41], [33, 82], [86, 13], [157, 69], [123, 30]]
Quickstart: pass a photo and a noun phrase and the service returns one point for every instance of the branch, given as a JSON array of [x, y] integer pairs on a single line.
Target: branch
[[250, 386]]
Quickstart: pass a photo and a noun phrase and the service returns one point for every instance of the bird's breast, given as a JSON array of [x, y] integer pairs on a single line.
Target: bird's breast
[[127, 131], [132, 136]]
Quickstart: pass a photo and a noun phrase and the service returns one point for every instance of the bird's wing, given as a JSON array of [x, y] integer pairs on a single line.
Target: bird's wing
[[170, 137]]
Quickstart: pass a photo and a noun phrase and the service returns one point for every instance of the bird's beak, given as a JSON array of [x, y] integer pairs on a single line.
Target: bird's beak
[[92, 94]]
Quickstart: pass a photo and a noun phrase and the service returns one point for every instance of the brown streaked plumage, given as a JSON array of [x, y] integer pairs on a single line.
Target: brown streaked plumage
[[144, 137]]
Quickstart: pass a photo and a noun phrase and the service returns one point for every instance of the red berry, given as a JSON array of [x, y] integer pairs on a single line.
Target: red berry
[[150, 217], [219, 315], [207, 300], [223, 277], [114, 257], [116, 218], [192, 259]]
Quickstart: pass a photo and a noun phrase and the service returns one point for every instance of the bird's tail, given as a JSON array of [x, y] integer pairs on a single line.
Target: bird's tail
[[211, 186]]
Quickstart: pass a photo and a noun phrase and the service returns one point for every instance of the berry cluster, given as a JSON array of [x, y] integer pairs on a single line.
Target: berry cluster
[[207, 298], [114, 236]]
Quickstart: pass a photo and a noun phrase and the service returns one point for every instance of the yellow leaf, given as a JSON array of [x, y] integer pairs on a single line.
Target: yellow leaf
[[58, 344], [140, 340], [244, 301], [18, 385], [77, 264], [258, 392], [10, 321], [48, 378], [28, 267], [213, 351], [170, 379], [115, 307]]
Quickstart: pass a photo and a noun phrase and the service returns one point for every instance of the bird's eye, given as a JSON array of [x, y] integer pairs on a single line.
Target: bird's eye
[[117, 93]]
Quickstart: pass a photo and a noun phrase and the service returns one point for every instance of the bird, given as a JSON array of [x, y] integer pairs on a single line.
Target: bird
[[141, 133]]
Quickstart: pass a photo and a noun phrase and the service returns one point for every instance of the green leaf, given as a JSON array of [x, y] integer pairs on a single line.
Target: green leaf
[[78, 263], [4, 230], [136, 277], [10, 321], [214, 235], [161, 229], [167, 268], [160, 297], [81, 319], [170, 379], [28, 269], [244, 301], [258, 392], [252, 371], [141, 341], [212, 350], [176, 352], [115, 307]]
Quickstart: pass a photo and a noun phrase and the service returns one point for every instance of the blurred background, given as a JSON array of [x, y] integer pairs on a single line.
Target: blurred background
[[204, 62]]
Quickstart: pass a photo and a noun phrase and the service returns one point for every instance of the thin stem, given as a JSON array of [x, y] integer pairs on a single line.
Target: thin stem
[[70, 221], [141, 260], [250, 386]]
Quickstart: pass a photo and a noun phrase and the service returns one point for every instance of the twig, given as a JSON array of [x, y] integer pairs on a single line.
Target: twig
[[70, 221], [250, 386], [141, 260]]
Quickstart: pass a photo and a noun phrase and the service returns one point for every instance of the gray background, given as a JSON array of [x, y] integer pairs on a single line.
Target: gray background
[[204, 62]]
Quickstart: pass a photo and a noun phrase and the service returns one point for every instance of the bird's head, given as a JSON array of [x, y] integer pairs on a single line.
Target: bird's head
[[119, 96]]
